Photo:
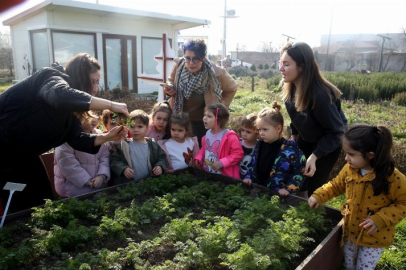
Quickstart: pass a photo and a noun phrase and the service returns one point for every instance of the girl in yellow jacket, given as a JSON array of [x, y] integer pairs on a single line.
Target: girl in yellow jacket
[[375, 195]]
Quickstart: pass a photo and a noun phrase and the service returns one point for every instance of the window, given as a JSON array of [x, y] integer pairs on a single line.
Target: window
[[150, 47], [40, 52], [68, 44]]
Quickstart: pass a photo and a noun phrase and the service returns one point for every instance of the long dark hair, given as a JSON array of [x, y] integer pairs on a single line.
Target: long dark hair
[[311, 79], [79, 69], [365, 138]]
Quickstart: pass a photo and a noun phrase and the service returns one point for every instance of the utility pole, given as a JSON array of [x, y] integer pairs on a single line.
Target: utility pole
[[328, 43], [227, 14], [288, 37], [381, 58]]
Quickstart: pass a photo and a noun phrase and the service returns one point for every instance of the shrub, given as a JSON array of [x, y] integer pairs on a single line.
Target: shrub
[[253, 68], [400, 98]]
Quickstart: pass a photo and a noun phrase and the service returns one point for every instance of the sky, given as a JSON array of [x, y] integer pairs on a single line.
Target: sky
[[264, 22]]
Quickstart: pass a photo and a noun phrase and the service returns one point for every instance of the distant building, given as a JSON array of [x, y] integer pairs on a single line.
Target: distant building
[[360, 52], [124, 40]]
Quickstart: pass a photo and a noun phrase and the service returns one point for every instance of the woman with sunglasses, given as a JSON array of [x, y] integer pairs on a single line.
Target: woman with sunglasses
[[41, 113], [314, 107], [195, 82]]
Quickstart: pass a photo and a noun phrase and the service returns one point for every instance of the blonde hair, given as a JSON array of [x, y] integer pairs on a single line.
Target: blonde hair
[[272, 115]]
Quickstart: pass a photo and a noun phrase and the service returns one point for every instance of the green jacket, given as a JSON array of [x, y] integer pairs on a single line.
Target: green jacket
[[120, 160]]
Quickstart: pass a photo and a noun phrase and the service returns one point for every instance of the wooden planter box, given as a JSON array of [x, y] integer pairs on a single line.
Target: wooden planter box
[[326, 256]]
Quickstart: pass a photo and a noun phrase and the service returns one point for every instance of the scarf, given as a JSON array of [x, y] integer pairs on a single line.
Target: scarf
[[199, 83]]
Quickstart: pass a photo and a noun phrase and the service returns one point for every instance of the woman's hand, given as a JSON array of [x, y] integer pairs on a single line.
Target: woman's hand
[[116, 133], [119, 108], [313, 202], [310, 168], [369, 223]]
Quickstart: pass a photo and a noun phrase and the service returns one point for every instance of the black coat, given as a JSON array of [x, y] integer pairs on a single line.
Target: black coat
[[36, 114]]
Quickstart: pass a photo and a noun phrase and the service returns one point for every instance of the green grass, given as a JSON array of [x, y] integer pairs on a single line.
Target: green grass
[[384, 113], [4, 86]]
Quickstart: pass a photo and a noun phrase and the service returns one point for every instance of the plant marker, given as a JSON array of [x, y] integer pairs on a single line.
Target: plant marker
[[12, 187]]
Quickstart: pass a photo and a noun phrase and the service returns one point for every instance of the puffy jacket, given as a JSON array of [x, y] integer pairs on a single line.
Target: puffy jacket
[[386, 210], [230, 153], [36, 114], [73, 169]]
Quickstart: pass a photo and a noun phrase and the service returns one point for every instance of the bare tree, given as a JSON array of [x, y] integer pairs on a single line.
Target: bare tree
[[350, 55], [6, 53]]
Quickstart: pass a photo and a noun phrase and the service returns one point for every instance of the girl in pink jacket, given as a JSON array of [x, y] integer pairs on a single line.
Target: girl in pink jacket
[[221, 149], [77, 172]]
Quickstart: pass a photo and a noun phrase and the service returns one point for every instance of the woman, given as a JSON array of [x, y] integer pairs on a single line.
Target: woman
[[38, 114], [196, 82], [314, 107]]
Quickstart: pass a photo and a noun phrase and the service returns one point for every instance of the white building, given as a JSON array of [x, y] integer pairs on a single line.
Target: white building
[[124, 40]]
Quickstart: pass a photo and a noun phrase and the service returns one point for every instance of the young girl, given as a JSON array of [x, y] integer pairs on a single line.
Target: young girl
[[160, 115], [181, 147], [375, 195], [78, 172], [221, 149], [276, 162]]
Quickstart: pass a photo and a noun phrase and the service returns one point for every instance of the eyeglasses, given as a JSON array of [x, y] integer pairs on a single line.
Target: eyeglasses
[[195, 60]]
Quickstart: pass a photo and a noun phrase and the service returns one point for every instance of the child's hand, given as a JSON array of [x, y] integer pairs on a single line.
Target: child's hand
[[313, 202], [157, 170], [247, 181], [283, 192], [369, 223], [97, 181], [129, 173], [216, 165], [196, 163]]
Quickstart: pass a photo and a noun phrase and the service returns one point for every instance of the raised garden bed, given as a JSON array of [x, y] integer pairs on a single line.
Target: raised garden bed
[[190, 221]]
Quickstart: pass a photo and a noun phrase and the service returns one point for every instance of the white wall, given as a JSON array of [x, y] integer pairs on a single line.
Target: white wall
[[100, 25]]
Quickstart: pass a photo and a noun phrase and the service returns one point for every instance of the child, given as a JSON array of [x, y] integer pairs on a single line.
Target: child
[[181, 147], [221, 150], [139, 157], [276, 162], [111, 120], [375, 195], [78, 172], [248, 140], [159, 129]]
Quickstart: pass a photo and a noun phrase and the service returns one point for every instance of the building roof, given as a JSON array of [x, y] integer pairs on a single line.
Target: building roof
[[178, 22]]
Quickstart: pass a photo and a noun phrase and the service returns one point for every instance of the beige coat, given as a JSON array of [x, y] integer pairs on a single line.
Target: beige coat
[[227, 84]]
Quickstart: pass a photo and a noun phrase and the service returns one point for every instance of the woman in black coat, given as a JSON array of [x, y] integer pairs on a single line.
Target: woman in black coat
[[40, 113], [314, 107]]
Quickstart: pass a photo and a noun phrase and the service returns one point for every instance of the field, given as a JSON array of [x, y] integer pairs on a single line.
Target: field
[[377, 113]]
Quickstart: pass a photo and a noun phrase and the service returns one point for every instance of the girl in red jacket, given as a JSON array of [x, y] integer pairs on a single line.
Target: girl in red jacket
[[221, 149]]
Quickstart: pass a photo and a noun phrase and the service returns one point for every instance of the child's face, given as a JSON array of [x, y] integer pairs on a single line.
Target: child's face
[[138, 130], [209, 120], [267, 132], [113, 122], [160, 121], [249, 135], [355, 158], [88, 126], [178, 133]]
